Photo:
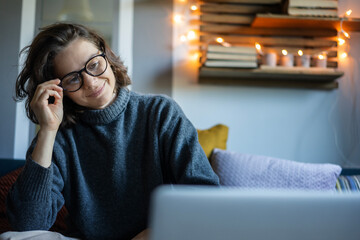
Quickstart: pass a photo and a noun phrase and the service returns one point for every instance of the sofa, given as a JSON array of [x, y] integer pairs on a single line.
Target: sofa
[[233, 168]]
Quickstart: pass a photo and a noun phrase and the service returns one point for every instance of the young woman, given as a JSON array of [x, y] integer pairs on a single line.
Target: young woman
[[101, 149]]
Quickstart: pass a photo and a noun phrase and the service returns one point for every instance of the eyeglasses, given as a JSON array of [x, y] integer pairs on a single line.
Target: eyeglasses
[[95, 66]]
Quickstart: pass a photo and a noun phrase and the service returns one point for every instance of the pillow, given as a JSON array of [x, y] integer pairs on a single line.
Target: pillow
[[5, 184], [253, 171], [214, 137]]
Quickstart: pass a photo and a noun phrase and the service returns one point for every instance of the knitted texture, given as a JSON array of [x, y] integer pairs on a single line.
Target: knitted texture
[[105, 167], [5, 184], [252, 171]]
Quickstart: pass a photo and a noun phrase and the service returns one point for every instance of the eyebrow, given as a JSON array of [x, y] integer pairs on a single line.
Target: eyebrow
[[75, 71]]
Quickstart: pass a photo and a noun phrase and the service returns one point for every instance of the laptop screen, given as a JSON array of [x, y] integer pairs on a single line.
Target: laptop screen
[[221, 213]]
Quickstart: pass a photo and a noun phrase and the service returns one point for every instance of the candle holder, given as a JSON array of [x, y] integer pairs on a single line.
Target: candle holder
[[269, 59], [321, 61], [303, 61], [287, 60]]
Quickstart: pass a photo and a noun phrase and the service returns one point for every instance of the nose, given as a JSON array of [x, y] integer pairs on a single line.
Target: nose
[[89, 81]]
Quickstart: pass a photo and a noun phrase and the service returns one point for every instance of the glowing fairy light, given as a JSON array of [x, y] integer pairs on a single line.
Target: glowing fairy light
[[348, 12], [300, 52], [346, 34], [191, 35], [341, 41], [219, 40], [194, 7], [183, 38], [178, 18], [284, 52], [258, 46]]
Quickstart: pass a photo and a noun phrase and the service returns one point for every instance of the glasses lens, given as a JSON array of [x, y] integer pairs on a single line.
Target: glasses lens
[[71, 82], [96, 66]]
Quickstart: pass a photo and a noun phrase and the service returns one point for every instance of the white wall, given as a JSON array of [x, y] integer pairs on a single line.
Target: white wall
[[302, 125]]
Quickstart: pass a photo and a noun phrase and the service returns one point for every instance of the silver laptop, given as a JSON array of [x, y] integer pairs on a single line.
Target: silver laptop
[[219, 213]]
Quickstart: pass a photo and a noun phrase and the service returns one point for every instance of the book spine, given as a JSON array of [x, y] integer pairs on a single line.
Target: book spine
[[231, 64], [329, 4], [222, 49]]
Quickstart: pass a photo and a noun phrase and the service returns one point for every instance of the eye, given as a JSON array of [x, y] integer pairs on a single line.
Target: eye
[[92, 66], [71, 80]]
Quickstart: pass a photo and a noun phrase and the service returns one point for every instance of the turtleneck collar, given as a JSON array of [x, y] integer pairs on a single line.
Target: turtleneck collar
[[108, 114]]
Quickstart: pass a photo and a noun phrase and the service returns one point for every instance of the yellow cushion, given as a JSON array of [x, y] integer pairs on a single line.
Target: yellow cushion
[[214, 137]]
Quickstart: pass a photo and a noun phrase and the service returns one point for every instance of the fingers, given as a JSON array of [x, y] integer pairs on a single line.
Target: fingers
[[47, 89], [44, 91]]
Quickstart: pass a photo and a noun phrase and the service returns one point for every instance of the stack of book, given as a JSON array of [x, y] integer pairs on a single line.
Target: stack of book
[[231, 57], [317, 8]]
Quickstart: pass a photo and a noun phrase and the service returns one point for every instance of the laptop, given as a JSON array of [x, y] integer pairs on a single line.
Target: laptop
[[181, 212]]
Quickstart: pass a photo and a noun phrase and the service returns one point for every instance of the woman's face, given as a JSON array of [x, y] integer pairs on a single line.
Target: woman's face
[[96, 92]]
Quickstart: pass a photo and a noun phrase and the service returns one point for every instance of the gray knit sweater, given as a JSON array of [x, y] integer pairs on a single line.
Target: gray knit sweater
[[105, 167]]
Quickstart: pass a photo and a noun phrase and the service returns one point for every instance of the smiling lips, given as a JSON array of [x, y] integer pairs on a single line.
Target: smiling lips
[[97, 92]]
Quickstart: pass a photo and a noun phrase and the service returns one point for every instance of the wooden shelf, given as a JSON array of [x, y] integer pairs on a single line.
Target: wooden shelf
[[276, 77], [286, 21]]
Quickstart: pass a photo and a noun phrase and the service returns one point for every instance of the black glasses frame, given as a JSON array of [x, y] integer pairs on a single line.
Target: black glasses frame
[[84, 69]]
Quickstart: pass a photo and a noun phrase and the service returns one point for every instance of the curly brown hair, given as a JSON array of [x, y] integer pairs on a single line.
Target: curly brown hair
[[39, 64]]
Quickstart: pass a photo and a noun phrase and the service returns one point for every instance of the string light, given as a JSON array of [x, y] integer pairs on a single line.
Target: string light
[[178, 18], [183, 38], [341, 41], [194, 7], [219, 40], [343, 55], [258, 48], [346, 34], [191, 35], [348, 12]]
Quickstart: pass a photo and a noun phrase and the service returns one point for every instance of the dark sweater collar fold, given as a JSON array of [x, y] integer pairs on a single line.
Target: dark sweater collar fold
[[108, 114]]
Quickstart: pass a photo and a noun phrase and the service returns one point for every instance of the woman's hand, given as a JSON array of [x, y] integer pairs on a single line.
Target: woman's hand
[[48, 114], [144, 235]]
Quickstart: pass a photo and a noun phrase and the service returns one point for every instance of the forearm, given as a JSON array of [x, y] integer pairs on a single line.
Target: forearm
[[42, 153]]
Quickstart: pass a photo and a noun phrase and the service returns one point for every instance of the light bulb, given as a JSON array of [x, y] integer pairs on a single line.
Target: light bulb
[[321, 56], [343, 55], [194, 56], [194, 7], [178, 18], [284, 52], [191, 35], [346, 34], [183, 38], [258, 46], [341, 41], [348, 12], [219, 40], [300, 52]]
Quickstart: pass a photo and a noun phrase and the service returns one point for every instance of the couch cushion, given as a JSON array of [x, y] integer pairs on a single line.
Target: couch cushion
[[5, 184], [214, 137], [253, 171]]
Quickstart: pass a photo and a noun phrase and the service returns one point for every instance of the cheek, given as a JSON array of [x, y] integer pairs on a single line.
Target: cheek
[[74, 97]]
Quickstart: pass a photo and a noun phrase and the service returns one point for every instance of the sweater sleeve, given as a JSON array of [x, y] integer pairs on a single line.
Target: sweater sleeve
[[35, 198], [186, 162]]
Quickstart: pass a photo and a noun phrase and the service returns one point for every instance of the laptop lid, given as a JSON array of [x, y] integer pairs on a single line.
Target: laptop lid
[[221, 213]]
